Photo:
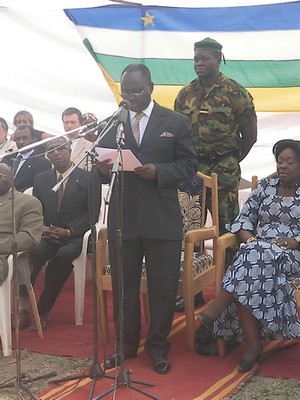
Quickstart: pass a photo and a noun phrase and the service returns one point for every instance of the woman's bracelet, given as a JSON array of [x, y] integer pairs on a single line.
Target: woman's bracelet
[[251, 239]]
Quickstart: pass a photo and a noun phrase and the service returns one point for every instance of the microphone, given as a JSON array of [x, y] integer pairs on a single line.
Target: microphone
[[101, 127], [121, 120], [82, 129], [124, 105]]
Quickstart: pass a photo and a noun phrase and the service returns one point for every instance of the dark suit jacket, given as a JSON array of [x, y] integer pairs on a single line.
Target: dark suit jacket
[[74, 207], [150, 207], [32, 166]]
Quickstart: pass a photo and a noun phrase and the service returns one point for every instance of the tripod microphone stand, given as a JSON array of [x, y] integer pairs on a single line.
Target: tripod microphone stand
[[95, 372], [122, 379]]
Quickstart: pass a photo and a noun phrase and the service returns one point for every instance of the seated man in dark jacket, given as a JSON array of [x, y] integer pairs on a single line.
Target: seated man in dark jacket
[[26, 164], [66, 219]]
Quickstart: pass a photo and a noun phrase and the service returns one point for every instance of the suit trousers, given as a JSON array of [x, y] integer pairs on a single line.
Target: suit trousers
[[60, 257], [162, 261]]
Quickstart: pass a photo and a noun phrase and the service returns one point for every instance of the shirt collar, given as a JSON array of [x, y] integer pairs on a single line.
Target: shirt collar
[[147, 111]]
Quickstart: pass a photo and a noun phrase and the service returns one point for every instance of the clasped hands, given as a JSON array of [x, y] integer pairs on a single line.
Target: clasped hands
[[54, 234], [147, 171]]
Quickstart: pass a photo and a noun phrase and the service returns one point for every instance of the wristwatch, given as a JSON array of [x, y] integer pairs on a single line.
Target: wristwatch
[[297, 238]]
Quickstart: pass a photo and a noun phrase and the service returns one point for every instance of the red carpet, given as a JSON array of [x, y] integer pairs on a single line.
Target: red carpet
[[192, 376]]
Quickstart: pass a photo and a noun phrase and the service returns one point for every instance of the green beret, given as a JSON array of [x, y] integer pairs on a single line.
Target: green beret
[[208, 44]]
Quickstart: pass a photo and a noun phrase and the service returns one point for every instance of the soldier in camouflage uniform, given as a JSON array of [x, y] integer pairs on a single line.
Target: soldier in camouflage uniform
[[224, 124]]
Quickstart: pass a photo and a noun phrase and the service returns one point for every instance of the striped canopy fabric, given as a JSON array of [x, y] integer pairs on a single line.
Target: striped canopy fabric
[[261, 45]]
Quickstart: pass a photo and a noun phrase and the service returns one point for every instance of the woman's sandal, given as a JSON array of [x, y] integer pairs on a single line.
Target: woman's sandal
[[247, 365]]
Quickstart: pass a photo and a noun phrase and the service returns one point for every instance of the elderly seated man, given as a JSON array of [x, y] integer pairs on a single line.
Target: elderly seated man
[[28, 221]]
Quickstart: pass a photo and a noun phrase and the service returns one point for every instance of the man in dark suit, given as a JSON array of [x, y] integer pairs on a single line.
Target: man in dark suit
[[151, 223], [26, 164], [66, 219]]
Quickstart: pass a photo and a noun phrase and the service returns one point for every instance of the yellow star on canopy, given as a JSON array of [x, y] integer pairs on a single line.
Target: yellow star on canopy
[[148, 19]]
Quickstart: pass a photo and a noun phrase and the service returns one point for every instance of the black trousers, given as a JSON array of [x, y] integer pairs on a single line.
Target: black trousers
[[60, 258], [162, 259]]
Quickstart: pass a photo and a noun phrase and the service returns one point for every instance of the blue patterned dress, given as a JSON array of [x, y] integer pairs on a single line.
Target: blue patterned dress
[[258, 275]]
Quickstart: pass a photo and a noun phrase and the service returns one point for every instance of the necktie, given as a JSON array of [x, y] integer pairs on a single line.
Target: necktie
[[17, 163], [60, 191], [136, 127]]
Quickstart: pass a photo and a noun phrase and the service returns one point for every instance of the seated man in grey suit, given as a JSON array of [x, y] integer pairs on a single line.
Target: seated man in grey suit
[[26, 164], [66, 219], [29, 225]]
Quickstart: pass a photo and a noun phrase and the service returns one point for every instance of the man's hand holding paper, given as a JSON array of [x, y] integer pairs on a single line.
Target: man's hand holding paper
[[106, 157]]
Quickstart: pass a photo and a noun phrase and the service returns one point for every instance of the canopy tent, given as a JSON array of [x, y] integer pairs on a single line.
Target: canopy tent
[[46, 67]]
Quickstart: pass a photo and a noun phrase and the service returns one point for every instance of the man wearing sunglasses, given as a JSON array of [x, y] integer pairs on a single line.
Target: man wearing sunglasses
[[66, 219], [151, 225]]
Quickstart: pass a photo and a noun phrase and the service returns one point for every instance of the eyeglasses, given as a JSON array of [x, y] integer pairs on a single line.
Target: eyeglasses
[[135, 92]]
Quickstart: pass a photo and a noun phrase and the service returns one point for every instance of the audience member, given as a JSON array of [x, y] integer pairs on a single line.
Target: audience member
[[66, 219], [72, 119], [256, 300], [29, 225], [89, 118], [26, 164], [24, 117], [224, 125], [6, 144], [151, 216]]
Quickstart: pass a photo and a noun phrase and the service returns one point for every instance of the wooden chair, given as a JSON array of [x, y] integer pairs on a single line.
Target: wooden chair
[[197, 269]]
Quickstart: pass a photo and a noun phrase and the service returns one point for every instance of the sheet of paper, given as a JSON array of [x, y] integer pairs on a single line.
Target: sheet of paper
[[130, 162]]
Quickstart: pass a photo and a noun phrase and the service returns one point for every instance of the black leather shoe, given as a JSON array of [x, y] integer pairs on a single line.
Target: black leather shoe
[[114, 360], [198, 300], [161, 365]]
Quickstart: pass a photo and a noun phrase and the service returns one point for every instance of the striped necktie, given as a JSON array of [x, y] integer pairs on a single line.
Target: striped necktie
[[136, 127]]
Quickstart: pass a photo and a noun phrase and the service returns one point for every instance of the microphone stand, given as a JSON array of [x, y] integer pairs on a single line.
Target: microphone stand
[[21, 378], [95, 372], [32, 146], [122, 379]]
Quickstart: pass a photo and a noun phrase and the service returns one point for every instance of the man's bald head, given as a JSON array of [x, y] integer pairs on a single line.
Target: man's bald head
[[5, 179]]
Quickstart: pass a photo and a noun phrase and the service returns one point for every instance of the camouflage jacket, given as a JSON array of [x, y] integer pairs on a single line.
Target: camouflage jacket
[[217, 116]]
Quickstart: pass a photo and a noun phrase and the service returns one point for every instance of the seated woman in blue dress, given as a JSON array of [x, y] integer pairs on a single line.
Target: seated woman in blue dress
[[256, 300]]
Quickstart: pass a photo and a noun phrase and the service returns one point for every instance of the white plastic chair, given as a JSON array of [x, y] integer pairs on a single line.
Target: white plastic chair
[[5, 310], [5, 313], [80, 263]]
